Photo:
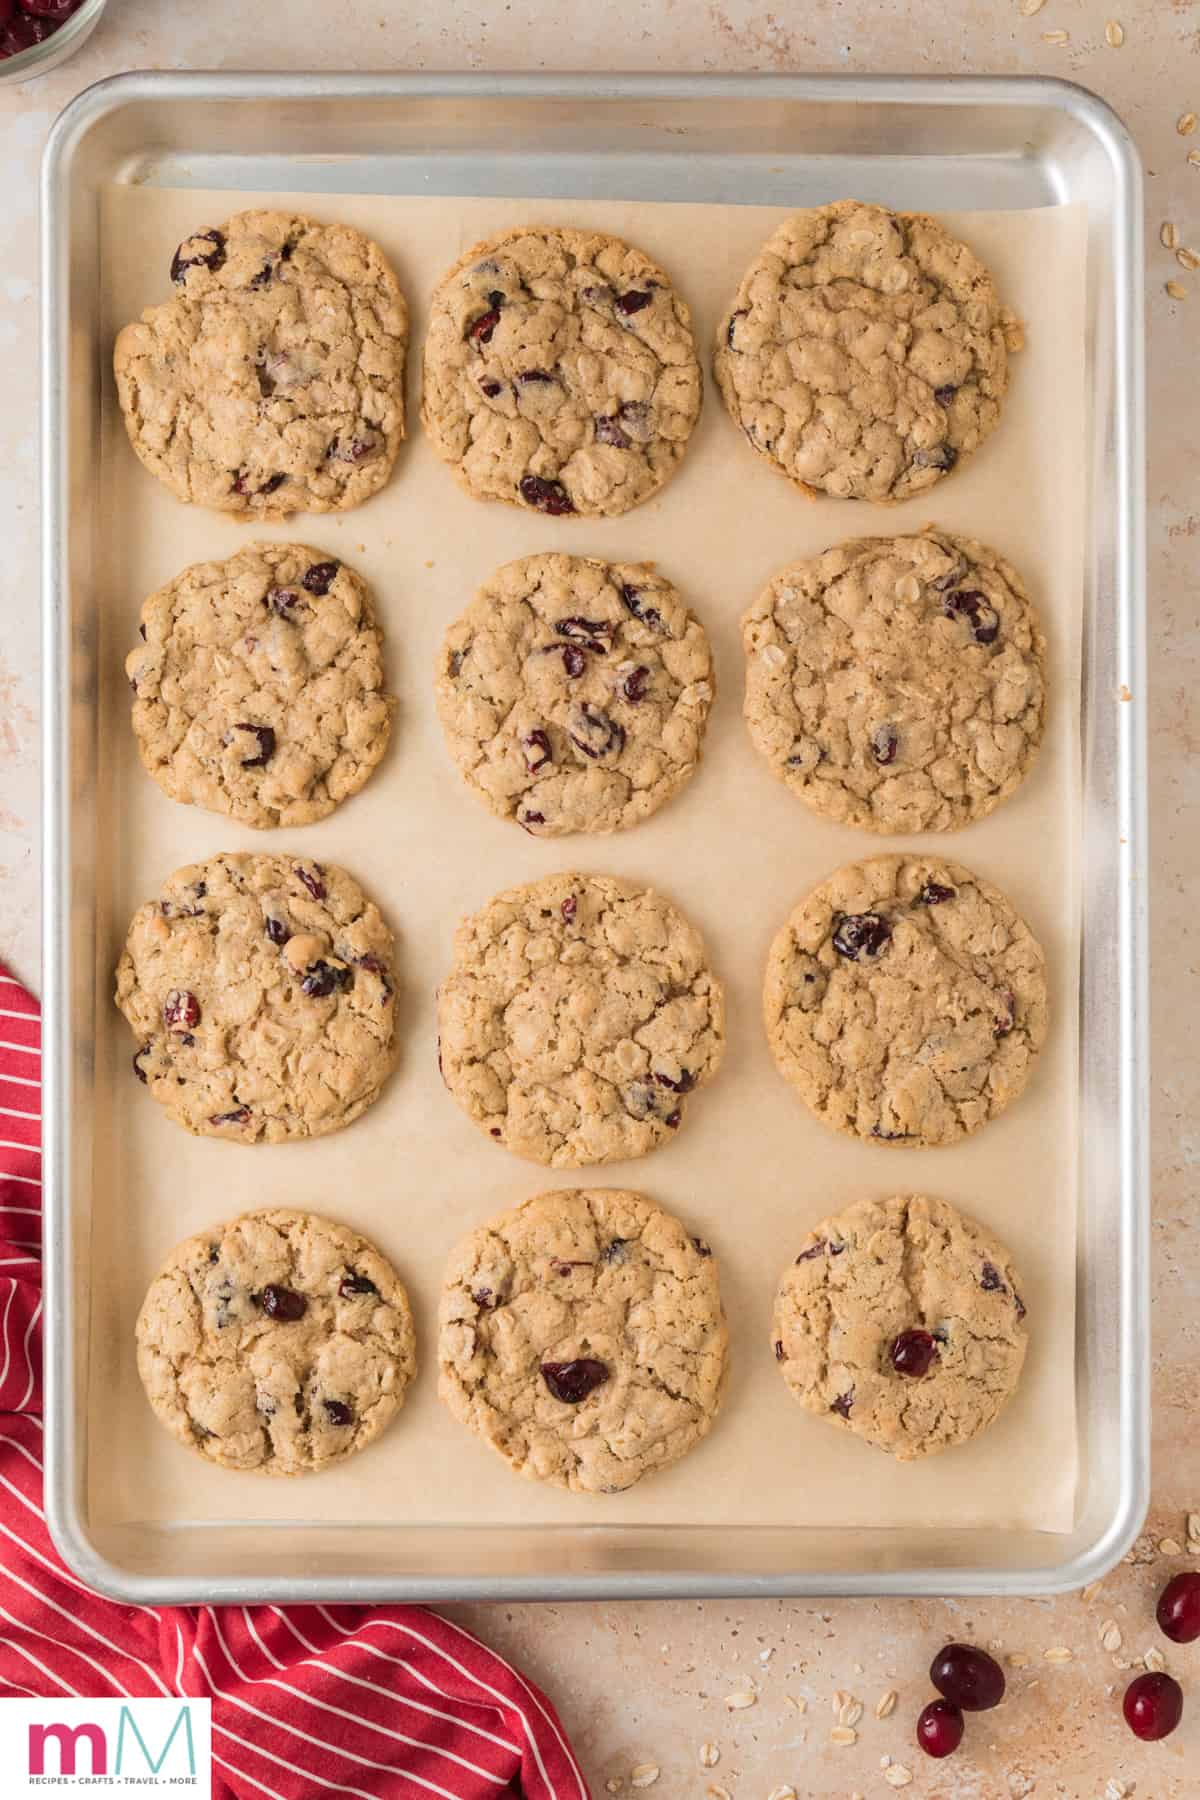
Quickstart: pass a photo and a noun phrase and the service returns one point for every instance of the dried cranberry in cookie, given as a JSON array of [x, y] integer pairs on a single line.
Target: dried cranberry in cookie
[[272, 382], [252, 1353], [906, 1001], [895, 1340], [575, 1034], [559, 698], [582, 1337], [881, 422], [883, 698], [287, 1027], [259, 686], [560, 373]]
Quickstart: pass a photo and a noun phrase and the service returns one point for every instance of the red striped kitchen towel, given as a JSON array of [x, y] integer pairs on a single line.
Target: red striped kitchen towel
[[382, 1702]]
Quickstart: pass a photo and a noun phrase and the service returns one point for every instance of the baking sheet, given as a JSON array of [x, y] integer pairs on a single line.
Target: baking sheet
[[751, 1169]]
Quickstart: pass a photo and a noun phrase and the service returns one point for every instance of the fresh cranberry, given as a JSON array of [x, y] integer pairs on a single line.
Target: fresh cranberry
[[318, 577], [861, 934], [181, 1010], [970, 604], [939, 1728], [944, 395], [885, 743], [1153, 1706], [312, 880], [633, 302], [573, 1381], [266, 746], [913, 1353], [969, 1678], [338, 1412], [536, 746], [634, 685], [1178, 1612], [356, 1284], [282, 1303], [934, 894], [546, 496], [56, 10], [212, 259], [23, 33]]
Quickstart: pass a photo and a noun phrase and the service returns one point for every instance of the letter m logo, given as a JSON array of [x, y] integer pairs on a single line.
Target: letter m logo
[[67, 1737], [154, 1764]]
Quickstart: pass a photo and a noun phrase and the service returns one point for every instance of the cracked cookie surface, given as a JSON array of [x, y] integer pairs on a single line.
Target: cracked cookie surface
[[905, 1001], [908, 1282], [560, 372], [261, 990], [273, 382], [579, 1014], [582, 1336], [280, 1342], [866, 352], [574, 693], [259, 688], [897, 684]]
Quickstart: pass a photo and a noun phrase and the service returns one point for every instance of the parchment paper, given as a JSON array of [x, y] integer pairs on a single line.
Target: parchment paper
[[750, 1169]]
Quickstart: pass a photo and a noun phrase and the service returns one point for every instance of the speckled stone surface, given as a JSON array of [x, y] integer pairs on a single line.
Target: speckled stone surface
[[647, 1683]]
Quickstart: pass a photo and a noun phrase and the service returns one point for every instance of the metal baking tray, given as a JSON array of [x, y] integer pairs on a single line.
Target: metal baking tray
[[935, 143]]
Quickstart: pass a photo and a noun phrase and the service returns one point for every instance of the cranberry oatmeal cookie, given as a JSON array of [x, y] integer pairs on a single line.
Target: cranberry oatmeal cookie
[[582, 1337], [273, 382], [258, 685], [866, 352], [574, 693], [580, 1013], [280, 1343], [560, 372], [905, 1001], [897, 684], [902, 1321], [261, 990]]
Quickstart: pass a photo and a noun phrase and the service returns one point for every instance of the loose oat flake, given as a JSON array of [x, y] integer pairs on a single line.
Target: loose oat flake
[[714, 1791], [738, 1702], [614, 1784], [784, 1792], [795, 1700], [710, 1756], [1194, 158], [1187, 259], [1154, 1660], [1017, 1659], [1110, 1636], [885, 1706], [644, 1775], [1166, 235], [1186, 124], [897, 1776], [1115, 1790], [1056, 37], [1057, 1654], [1114, 34], [1029, 7], [1176, 290], [843, 1736]]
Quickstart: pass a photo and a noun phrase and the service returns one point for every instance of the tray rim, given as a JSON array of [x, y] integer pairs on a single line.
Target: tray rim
[[64, 1516]]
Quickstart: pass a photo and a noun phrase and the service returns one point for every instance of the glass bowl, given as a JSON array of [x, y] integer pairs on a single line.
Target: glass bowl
[[64, 42]]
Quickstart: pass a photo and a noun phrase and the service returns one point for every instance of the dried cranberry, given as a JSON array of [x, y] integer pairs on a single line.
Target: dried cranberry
[[319, 576], [312, 882], [282, 1303], [969, 1678], [322, 979], [574, 660], [779, 1350], [526, 820], [649, 615], [491, 388], [990, 1281], [271, 483], [843, 1403], [608, 431], [483, 1297], [536, 746], [181, 1010], [970, 604], [1153, 1706], [939, 1728], [573, 1381], [277, 931], [591, 632], [934, 894], [137, 1065], [861, 934], [1006, 1020], [263, 278], [481, 329], [1178, 1610], [266, 746], [942, 456], [1021, 1307], [641, 1101], [567, 909], [633, 302], [885, 743], [734, 317], [634, 685], [536, 377], [283, 602], [239, 1116], [356, 1284], [684, 1085], [944, 395], [338, 1412], [376, 966], [701, 1248], [356, 451], [212, 260], [673, 1119], [913, 1353], [595, 733], [546, 496], [817, 1249]]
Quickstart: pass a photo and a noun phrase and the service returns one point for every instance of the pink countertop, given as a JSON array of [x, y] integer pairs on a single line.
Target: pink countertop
[[646, 1686]]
